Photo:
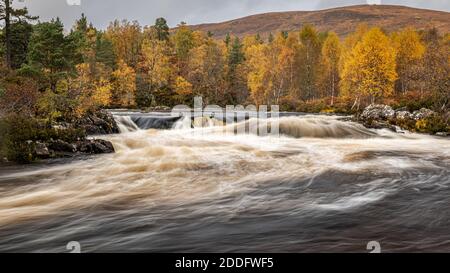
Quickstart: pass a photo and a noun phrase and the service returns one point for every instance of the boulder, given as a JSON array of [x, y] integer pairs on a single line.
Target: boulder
[[403, 115], [99, 123], [422, 114], [62, 146], [378, 112], [93, 130], [442, 134], [95, 146], [41, 150]]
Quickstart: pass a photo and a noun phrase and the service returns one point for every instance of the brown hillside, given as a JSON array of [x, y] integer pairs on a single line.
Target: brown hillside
[[342, 20]]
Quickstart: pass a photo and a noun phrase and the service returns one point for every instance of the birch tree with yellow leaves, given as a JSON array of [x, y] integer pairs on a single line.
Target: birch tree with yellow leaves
[[370, 69], [124, 85], [410, 50]]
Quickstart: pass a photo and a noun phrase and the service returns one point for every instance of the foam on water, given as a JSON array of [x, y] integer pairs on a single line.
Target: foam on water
[[178, 182]]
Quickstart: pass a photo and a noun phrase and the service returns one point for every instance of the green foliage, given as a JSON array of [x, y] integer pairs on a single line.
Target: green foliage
[[236, 55], [51, 51], [60, 106], [19, 134], [183, 41], [162, 29], [104, 51], [20, 36]]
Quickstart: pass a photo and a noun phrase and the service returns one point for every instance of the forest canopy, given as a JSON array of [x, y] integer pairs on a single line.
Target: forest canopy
[[50, 73]]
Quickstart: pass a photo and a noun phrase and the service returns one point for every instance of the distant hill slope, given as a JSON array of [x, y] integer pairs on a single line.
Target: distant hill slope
[[342, 20]]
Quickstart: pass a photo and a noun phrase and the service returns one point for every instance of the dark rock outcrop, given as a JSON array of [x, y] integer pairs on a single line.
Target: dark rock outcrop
[[41, 150], [96, 146], [99, 123], [62, 146], [59, 148]]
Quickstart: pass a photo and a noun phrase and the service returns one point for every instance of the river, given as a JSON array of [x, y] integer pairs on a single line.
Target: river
[[324, 185]]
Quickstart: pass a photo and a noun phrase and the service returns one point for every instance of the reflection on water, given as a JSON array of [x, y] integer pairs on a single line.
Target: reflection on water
[[324, 185]]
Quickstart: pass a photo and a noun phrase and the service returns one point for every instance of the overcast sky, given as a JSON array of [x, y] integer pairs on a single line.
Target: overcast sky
[[101, 12]]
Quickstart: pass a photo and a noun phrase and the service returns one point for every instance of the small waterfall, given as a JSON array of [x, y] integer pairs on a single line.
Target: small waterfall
[[131, 123], [198, 122], [125, 124]]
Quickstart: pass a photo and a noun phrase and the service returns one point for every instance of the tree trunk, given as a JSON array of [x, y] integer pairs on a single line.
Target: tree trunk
[[8, 33], [332, 91]]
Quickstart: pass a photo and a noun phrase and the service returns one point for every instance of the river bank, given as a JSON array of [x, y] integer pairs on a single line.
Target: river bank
[[85, 136], [25, 139], [426, 121]]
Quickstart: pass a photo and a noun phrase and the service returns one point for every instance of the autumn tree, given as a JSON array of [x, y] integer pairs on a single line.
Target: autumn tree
[[123, 85], [91, 89], [259, 79], [410, 51], [207, 71], [309, 59], [331, 54], [156, 66], [126, 38], [183, 41], [435, 69], [370, 69]]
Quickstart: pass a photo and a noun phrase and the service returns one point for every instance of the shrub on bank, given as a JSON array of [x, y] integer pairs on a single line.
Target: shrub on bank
[[413, 101], [19, 134], [340, 106], [433, 125]]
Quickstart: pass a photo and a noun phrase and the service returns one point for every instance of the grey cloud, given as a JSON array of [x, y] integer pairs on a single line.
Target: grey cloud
[[101, 12]]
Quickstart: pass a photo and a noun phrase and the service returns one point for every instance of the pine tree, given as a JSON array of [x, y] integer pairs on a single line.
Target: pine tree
[[20, 38], [162, 29], [9, 15], [51, 52]]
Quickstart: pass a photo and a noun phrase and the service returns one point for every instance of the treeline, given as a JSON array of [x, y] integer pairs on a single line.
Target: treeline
[[58, 75]]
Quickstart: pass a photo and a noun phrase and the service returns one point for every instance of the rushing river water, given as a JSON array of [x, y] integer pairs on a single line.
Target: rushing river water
[[324, 185]]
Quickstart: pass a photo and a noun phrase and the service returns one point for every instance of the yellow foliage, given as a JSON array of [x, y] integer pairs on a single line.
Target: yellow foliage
[[370, 68], [410, 49], [258, 77], [102, 93], [123, 85], [156, 61], [183, 87]]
